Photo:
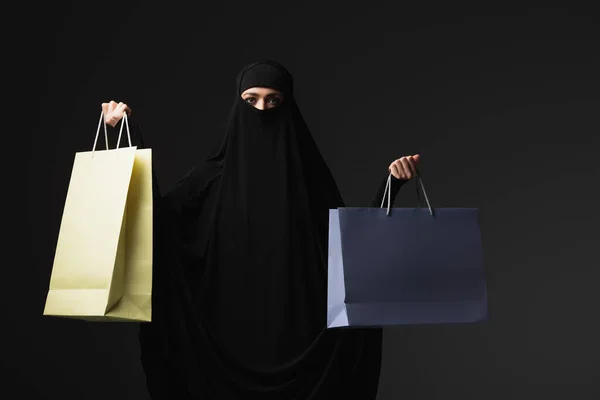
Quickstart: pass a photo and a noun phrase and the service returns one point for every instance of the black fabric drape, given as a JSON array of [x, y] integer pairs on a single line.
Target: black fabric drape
[[240, 269]]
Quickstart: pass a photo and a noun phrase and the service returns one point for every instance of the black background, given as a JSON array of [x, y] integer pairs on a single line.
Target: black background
[[501, 104]]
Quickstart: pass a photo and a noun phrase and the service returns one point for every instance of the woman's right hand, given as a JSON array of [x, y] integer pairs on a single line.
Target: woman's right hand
[[113, 112]]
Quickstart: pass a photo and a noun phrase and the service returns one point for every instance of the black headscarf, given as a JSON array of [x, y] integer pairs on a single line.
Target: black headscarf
[[241, 313]]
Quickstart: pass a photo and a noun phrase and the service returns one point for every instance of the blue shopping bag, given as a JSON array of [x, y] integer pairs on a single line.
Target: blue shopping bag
[[399, 266]]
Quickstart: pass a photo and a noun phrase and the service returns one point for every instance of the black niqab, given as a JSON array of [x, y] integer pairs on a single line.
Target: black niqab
[[240, 276]]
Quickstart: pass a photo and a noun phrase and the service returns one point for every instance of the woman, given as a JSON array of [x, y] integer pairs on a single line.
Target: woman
[[240, 274]]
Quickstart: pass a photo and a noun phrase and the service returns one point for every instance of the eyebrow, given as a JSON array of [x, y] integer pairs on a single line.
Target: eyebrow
[[269, 95]]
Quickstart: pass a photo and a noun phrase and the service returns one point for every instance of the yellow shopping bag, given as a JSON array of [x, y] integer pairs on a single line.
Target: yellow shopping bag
[[102, 267]]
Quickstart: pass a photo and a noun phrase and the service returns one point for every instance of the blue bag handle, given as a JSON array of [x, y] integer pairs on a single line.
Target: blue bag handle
[[388, 192]]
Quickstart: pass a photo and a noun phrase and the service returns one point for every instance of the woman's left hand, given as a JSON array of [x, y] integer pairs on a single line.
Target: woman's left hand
[[405, 167]]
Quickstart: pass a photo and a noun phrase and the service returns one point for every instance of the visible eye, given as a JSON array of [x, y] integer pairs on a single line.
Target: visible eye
[[274, 100], [250, 100]]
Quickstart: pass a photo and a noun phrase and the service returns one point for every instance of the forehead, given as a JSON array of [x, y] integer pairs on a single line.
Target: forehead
[[261, 91]]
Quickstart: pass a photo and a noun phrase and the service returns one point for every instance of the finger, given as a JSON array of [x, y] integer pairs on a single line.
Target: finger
[[394, 170], [416, 159], [405, 167], [120, 109], [409, 165], [106, 113], [402, 168], [112, 105], [401, 171]]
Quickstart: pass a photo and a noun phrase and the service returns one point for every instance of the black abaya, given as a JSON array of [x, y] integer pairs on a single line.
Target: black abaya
[[240, 271]]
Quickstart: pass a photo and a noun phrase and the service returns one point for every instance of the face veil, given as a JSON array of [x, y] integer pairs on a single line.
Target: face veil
[[269, 233], [281, 132]]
